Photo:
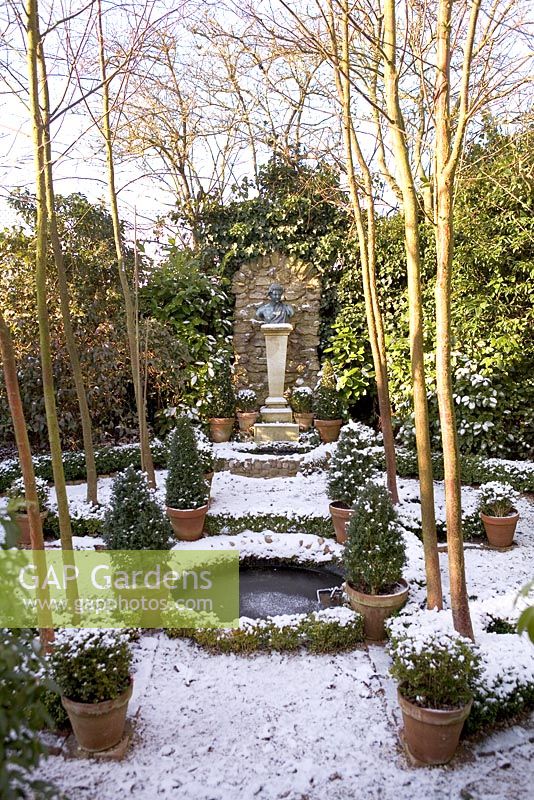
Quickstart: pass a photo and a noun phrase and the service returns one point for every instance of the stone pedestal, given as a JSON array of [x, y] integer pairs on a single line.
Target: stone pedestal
[[276, 415]]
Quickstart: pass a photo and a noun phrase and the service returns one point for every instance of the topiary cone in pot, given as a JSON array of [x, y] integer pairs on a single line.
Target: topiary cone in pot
[[328, 406], [221, 402], [187, 491], [351, 465], [374, 557]]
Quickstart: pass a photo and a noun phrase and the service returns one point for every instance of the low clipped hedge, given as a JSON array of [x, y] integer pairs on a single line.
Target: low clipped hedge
[[474, 470], [316, 634], [215, 525], [277, 523], [108, 459]]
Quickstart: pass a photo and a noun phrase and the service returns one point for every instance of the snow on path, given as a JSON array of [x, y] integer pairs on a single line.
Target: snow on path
[[280, 726]]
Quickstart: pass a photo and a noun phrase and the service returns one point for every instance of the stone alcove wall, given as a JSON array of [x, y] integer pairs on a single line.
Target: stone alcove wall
[[303, 290]]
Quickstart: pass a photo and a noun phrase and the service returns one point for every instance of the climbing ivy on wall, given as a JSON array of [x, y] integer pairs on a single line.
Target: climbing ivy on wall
[[294, 209]]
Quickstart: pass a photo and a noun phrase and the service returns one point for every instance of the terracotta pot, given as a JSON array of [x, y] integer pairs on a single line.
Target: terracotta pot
[[221, 428], [246, 420], [98, 726], [328, 429], [187, 524], [375, 608], [23, 522], [432, 735], [500, 530], [341, 515], [303, 420]]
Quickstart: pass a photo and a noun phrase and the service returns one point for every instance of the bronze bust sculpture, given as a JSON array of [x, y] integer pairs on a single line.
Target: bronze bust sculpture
[[275, 312]]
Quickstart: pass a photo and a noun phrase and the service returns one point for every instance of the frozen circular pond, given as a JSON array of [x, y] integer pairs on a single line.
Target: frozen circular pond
[[267, 591]]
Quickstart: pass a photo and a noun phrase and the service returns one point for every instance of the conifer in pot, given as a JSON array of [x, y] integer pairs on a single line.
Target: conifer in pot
[[301, 402], [134, 519], [328, 405], [187, 491], [220, 400], [352, 464], [374, 557]]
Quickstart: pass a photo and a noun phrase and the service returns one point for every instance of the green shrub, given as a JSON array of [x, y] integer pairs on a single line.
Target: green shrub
[[435, 670], [332, 636], [16, 491], [525, 623], [23, 715], [90, 666], [301, 399], [134, 519], [220, 396], [374, 553], [205, 450], [246, 400], [327, 402], [353, 463], [59, 719], [186, 487]]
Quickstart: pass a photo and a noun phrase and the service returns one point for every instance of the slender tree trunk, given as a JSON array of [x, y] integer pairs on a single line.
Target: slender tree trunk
[[85, 416], [131, 323], [367, 247], [26, 464], [40, 280], [21, 436], [444, 178], [422, 432]]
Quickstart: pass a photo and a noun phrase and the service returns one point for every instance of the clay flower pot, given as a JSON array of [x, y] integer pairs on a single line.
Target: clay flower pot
[[187, 524], [500, 530], [303, 420], [432, 735], [98, 726], [246, 420], [341, 515], [221, 428], [328, 429], [23, 522], [375, 608]]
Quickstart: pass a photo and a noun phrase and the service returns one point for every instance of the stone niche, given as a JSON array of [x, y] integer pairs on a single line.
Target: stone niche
[[303, 290]]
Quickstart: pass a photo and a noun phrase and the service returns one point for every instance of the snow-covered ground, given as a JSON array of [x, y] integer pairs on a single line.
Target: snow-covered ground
[[301, 726], [297, 727]]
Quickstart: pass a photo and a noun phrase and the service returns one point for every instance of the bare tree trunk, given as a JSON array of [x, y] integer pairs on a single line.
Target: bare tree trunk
[[367, 246], [444, 179], [40, 280], [407, 185], [21, 436], [25, 459], [85, 416], [131, 323]]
